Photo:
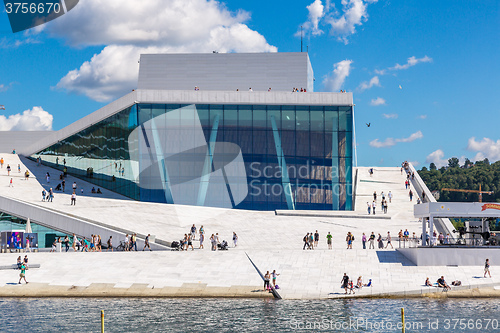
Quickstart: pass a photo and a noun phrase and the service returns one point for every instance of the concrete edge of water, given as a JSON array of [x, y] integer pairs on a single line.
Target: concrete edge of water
[[194, 290]]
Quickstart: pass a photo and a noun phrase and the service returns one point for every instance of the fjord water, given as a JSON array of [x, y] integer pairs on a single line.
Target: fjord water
[[247, 315]]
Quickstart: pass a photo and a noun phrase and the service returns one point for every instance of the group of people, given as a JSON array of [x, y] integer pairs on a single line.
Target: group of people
[[371, 240], [267, 280], [130, 242], [49, 195], [83, 244], [22, 264], [348, 284], [441, 283], [93, 244], [215, 241], [9, 169], [311, 240], [372, 206]]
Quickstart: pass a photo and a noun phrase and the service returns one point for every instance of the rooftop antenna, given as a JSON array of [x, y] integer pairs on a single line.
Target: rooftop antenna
[[300, 38]]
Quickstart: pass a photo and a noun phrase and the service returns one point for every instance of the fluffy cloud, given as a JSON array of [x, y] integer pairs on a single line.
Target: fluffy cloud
[[12, 43], [389, 142], [342, 23], [354, 14], [486, 148], [377, 101], [316, 12], [127, 30], [109, 74], [374, 82], [436, 157], [36, 119], [335, 80], [390, 115], [412, 61], [413, 137]]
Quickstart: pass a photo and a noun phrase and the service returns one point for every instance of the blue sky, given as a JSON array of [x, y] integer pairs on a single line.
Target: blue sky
[[423, 73]]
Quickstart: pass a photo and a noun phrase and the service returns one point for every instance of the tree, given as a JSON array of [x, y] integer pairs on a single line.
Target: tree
[[453, 162], [432, 166], [483, 173], [468, 163]]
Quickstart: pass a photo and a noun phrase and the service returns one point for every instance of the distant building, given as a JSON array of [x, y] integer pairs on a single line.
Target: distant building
[[436, 194]]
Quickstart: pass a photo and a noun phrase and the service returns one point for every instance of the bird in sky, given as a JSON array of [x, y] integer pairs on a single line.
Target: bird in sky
[[368, 124], [400, 87], [2, 107]]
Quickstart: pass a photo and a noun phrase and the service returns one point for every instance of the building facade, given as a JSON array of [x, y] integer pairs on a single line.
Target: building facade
[[234, 149]]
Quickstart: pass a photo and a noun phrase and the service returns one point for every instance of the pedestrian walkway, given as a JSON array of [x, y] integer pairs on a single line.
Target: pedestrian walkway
[[272, 241]]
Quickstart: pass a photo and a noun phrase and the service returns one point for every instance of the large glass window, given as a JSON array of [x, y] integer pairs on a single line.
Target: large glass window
[[141, 152]]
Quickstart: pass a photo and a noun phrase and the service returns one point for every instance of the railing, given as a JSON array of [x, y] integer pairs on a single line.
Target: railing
[[443, 224], [436, 242]]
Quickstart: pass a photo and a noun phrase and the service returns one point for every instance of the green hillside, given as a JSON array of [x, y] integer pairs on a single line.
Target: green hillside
[[465, 177]]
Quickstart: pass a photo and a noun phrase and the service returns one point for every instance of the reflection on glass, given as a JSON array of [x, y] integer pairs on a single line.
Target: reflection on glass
[[316, 142]]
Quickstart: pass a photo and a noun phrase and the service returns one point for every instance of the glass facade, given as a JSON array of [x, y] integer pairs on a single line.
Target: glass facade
[[292, 156], [46, 236]]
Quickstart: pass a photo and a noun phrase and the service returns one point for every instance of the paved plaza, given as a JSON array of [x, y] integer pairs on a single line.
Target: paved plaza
[[273, 242]]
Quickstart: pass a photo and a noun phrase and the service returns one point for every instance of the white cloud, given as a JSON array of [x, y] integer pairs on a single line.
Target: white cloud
[[486, 148], [389, 142], [413, 137], [36, 119], [412, 61], [374, 82], [316, 12], [390, 115], [377, 101], [354, 14], [436, 157], [335, 80], [6, 43], [4, 87], [342, 23], [173, 26]]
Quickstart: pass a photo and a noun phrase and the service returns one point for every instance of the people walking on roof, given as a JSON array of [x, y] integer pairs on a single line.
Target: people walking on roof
[[146, 243]]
